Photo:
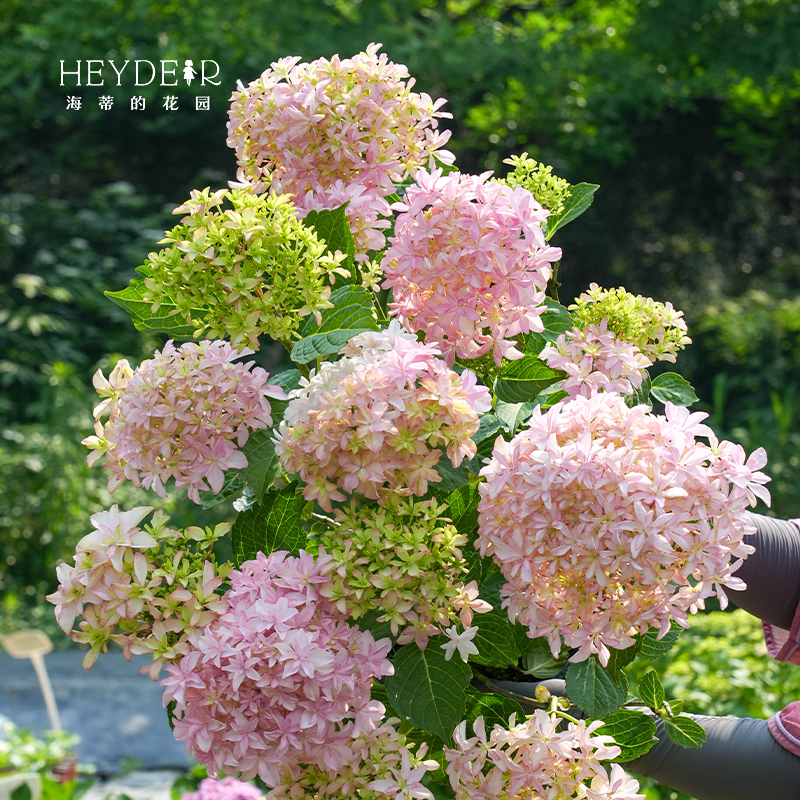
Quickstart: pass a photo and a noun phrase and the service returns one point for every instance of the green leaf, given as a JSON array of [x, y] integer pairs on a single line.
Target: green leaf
[[512, 415], [274, 524], [539, 661], [579, 199], [380, 694], [652, 648], [523, 379], [494, 709], [369, 622], [165, 320], [288, 380], [234, 483], [489, 426], [651, 691], [675, 706], [684, 731], [463, 511], [495, 639], [452, 477], [672, 388], [428, 690], [22, 792], [333, 226], [591, 687], [619, 659], [556, 320], [640, 396], [263, 465], [633, 731], [352, 313], [549, 397]]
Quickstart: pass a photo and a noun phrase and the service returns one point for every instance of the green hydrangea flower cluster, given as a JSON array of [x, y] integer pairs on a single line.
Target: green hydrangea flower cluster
[[550, 190], [234, 274], [402, 558], [657, 329]]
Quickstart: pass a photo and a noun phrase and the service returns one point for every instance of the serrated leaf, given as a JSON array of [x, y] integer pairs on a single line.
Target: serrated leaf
[[488, 427], [633, 731], [352, 313], [273, 524], [163, 320], [263, 465], [640, 396], [463, 511], [540, 663], [494, 709], [495, 640], [427, 689], [675, 706], [333, 226], [672, 388], [579, 199], [556, 320], [685, 732], [651, 691], [523, 379], [652, 648], [591, 687]]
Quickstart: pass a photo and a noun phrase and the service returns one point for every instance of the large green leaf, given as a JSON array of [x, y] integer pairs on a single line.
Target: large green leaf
[[579, 199], [619, 659], [633, 731], [640, 396], [333, 226], [273, 524], [427, 689], [234, 483], [670, 387], [452, 477], [163, 320], [494, 709], [684, 731], [352, 313], [523, 379], [590, 687]]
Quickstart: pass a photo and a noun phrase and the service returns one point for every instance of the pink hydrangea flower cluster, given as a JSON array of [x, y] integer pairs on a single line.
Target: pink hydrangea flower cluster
[[371, 422], [128, 586], [380, 765], [536, 759], [469, 264], [599, 515], [404, 559], [596, 360], [336, 131], [279, 678], [227, 789], [182, 414]]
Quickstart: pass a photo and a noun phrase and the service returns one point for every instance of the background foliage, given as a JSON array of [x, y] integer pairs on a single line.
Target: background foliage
[[686, 112]]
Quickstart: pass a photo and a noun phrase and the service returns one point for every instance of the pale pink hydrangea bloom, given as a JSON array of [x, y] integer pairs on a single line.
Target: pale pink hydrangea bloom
[[371, 422], [536, 759], [599, 515], [469, 264], [227, 789], [596, 360], [336, 131], [379, 765], [279, 678], [182, 414], [121, 593]]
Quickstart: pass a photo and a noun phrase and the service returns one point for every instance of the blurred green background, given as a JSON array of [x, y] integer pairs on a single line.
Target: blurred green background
[[686, 112]]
